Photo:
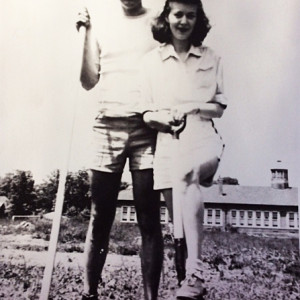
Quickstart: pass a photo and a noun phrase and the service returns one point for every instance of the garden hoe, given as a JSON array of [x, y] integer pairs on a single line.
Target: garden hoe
[[50, 260], [179, 240]]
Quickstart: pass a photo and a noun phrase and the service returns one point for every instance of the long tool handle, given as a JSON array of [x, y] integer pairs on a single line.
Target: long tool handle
[[176, 195], [176, 189], [46, 283]]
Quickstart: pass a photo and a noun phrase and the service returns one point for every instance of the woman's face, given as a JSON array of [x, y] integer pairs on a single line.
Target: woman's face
[[182, 19]]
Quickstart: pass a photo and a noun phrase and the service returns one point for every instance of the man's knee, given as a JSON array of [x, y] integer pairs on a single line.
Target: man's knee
[[104, 181], [146, 201]]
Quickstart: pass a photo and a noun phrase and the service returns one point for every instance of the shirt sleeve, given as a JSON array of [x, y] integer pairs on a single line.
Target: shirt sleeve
[[220, 96], [94, 45]]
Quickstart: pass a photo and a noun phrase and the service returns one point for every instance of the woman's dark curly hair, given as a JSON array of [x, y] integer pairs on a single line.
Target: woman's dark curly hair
[[161, 28]]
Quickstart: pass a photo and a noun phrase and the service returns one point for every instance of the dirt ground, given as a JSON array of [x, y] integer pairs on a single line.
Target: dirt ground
[[247, 274], [10, 252]]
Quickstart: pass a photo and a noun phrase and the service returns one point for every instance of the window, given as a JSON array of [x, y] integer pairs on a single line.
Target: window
[[209, 216], [233, 217], [291, 220], [242, 218], [266, 218], [258, 218], [132, 214], [275, 219], [164, 217], [218, 217], [250, 218], [124, 212]]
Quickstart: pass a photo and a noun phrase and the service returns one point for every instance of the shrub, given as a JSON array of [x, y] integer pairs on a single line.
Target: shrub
[[124, 232], [73, 230], [125, 239], [42, 229], [293, 268], [230, 228]]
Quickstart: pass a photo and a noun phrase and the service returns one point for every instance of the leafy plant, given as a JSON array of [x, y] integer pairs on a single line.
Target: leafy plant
[[19, 189], [235, 266]]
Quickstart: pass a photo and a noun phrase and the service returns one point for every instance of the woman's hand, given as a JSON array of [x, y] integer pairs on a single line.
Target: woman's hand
[[83, 19], [178, 117]]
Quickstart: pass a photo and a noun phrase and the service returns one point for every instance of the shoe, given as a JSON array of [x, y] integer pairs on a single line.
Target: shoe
[[89, 297], [191, 288]]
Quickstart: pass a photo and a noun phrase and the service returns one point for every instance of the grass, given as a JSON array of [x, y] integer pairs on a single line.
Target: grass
[[236, 266]]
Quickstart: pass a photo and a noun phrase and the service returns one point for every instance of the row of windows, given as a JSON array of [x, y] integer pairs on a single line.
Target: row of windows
[[250, 218], [211, 216], [215, 217], [262, 218], [255, 218], [128, 214], [279, 175]]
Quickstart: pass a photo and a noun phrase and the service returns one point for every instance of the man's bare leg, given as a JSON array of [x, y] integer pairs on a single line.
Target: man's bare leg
[[104, 190], [147, 203]]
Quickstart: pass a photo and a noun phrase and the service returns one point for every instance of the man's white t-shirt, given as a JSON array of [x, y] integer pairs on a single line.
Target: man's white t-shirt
[[122, 41]]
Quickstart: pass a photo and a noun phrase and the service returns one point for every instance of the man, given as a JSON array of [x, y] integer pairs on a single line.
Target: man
[[115, 41]]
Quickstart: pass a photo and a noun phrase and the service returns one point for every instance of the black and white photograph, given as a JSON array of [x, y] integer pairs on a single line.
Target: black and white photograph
[[149, 150]]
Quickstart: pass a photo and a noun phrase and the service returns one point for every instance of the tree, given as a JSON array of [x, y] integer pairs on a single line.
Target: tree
[[19, 189], [226, 180], [5, 185], [230, 181], [77, 192], [76, 196], [46, 193]]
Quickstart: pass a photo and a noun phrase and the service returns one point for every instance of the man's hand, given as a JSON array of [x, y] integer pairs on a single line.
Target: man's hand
[[159, 120], [164, 120], [83, 19]]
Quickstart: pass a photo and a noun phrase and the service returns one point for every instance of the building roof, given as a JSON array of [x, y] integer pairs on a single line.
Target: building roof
[[236, 194], [254, 195]]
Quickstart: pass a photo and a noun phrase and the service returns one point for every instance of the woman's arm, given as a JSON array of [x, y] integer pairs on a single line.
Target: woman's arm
[[206, 110], [90, 67], [213, 108]]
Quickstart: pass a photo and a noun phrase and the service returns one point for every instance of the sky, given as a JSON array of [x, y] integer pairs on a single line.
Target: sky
[[46, 116]]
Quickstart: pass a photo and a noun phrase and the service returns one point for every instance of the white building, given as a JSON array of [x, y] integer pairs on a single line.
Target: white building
[[271, 210]]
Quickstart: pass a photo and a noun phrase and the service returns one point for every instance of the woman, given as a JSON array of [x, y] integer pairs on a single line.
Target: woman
[[182, 78]]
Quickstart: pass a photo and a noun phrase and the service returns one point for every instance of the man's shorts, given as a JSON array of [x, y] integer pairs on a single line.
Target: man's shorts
[[114, 139]]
